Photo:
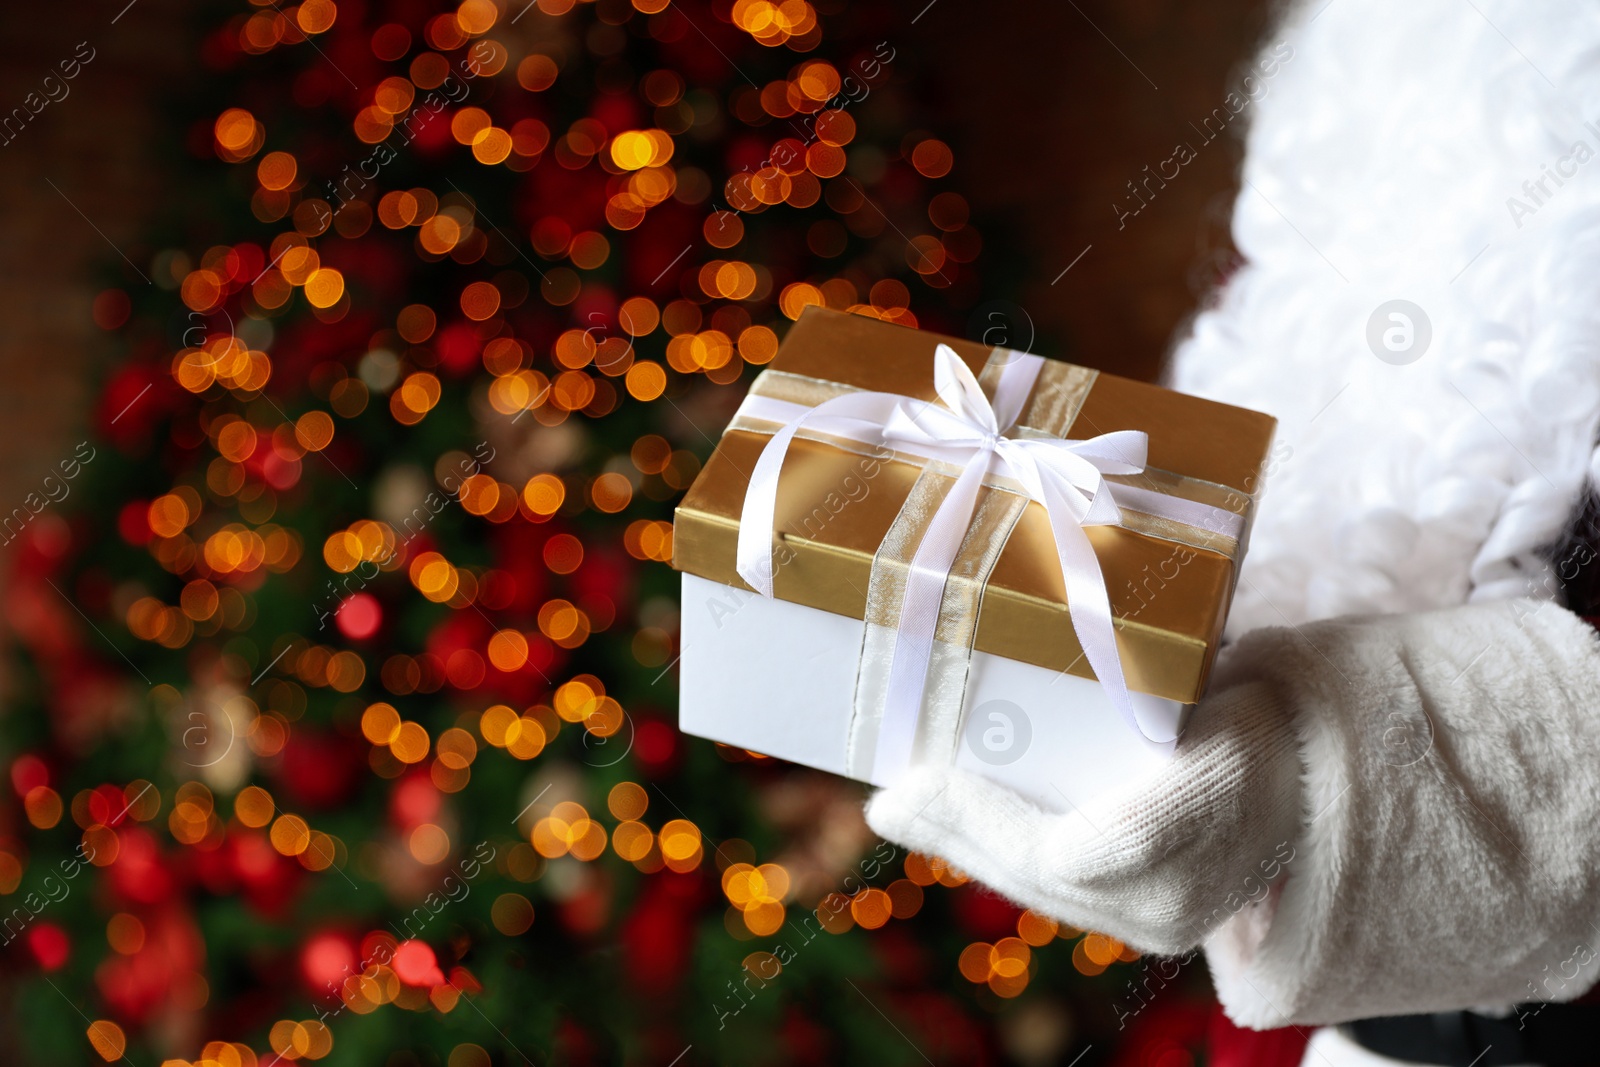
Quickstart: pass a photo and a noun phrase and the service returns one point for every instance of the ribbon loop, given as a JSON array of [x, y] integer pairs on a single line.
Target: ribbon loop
[[959, 390]]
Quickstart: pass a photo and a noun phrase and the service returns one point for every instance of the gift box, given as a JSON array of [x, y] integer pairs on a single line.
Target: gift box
[[911, 549]]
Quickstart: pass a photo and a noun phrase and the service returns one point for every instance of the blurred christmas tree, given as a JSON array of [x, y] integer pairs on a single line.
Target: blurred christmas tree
[[346, 725]]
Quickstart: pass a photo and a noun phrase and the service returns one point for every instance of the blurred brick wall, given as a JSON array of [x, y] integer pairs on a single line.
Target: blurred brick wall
[[85, 161], [76, 184], [1051, 109]]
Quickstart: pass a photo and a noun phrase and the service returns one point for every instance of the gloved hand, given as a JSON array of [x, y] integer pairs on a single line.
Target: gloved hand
[[1150, 866], [1425, 787]]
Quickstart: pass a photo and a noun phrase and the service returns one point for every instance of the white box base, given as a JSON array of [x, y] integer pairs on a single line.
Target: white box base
[[780, 679]]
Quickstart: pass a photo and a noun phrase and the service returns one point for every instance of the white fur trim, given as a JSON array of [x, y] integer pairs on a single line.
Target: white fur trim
[[1380, 160]]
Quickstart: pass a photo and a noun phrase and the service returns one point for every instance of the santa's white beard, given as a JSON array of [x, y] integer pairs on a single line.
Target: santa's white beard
[[1386, 160]]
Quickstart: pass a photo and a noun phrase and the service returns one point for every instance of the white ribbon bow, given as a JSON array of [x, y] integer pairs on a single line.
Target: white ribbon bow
[[1066, 477]]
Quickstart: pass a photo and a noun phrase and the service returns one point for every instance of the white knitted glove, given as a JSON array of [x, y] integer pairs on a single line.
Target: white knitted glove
[[1150, 866], [1426, 788]]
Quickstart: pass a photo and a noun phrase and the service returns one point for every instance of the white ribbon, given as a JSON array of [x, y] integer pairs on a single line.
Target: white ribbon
[[967, 430]]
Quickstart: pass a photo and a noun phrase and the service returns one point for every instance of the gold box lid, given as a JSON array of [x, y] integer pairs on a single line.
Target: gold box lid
[[1170, 598]]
